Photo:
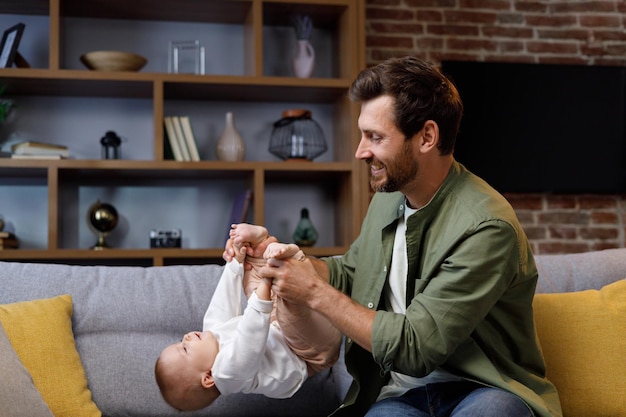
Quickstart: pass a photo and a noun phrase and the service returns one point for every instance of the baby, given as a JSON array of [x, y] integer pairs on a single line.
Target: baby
[[250, 352]]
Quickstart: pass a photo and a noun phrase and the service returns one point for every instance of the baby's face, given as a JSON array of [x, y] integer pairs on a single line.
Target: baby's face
[[195, 352]]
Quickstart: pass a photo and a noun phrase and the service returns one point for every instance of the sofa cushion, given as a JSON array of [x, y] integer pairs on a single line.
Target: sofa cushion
[[583, 338], [40, 331], [20, 398]]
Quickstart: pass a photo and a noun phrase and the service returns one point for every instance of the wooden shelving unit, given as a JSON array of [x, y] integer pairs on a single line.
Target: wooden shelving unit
[[342, 179]]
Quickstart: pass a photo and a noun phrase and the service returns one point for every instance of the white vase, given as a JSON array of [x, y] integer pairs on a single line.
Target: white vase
[[230, 145], [304, 59]]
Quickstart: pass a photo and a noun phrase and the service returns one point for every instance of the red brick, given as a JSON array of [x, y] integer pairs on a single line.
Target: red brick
[[485, 4], [455, 30], [427, 16], [604, 217], [378, 13], [551, 20], [601, 233], [431, 3], [563, 34], [525, 201], [467, 17], [563, 217], [508, 32], [597, 202], [596, 21], [531, 6], [542, 47], [569, 233], [562, 201], [390, 41], [388, 28], [582, 6]]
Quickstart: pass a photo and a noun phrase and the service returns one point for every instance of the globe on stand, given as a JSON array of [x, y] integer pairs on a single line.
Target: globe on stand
[[102, 219]]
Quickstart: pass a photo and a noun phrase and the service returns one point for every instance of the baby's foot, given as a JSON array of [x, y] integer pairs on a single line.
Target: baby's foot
[[282, 251], [244, 233]]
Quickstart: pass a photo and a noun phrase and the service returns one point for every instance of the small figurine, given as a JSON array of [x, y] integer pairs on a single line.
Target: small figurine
[[305, 233], [111, 145]]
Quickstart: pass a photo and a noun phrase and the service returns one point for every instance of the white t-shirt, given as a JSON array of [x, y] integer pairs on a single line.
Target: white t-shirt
[[253, 355], [395, 295]]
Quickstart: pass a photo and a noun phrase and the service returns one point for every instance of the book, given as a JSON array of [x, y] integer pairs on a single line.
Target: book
[[4, 235], [173, 140], [190, 138], [39, 148], [36, 156], [181, 138], [239, 212]]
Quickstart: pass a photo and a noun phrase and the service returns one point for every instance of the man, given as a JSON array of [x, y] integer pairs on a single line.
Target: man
[[435, 295]]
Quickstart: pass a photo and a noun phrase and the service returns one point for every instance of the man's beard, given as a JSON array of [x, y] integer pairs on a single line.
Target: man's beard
[[399, 171]]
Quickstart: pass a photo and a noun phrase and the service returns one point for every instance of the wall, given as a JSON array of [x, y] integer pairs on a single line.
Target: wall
[[533, 31]]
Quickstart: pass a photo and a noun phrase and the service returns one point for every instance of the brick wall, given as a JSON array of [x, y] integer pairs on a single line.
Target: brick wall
[[583, 32]]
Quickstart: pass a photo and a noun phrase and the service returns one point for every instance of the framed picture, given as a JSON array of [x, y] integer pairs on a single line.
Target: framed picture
[[8, 46]]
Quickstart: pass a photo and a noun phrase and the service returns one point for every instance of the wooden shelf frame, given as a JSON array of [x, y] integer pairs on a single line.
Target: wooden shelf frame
[[346, 177]]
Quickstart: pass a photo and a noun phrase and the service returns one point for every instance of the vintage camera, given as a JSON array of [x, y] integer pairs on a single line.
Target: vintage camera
[[165, 238]]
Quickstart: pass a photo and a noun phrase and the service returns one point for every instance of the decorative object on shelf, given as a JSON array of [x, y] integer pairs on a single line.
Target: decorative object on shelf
[[166, 238], [305, 233], [297, 136], [6, 105], [230, 145], [9, 44], [102, 219], [113, 61], [111, 145], [8, 240], [304, 55], [186, 57], [34, 149]]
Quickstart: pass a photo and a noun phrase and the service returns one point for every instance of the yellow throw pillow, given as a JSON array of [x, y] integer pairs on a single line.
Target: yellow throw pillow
[[583, 337], [41, 334]]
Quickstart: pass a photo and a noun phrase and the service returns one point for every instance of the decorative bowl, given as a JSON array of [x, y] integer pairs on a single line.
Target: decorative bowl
[[113, 61]]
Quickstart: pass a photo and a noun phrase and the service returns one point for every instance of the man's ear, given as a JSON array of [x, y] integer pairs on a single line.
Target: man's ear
[[207, 380], [430, 136]]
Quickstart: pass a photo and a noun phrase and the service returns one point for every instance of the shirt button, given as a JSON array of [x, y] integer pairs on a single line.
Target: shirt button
[[370, 305], [348, 340]]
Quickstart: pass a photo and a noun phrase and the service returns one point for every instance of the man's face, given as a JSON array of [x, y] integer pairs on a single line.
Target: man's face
[[383, 147]]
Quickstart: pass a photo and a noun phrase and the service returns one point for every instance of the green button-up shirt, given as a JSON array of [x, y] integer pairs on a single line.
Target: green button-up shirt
[[470, 284]]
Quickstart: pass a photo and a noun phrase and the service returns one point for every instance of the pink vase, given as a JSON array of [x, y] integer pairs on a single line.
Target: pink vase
[[304, 59]]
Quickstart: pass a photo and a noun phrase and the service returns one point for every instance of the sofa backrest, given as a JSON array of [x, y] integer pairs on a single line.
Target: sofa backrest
[[580, 271], [124, 316]]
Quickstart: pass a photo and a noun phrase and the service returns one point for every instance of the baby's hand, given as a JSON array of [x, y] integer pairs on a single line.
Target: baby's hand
[[278, 250]]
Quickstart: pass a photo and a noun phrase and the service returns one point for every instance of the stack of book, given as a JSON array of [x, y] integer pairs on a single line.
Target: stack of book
[[8, 241], [181, 138], [39, 150]]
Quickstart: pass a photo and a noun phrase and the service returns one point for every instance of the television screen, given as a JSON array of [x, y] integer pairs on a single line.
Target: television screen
[[542, 128]]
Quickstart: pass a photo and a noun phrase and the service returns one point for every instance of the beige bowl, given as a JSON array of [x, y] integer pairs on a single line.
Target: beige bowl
[[113, 61]]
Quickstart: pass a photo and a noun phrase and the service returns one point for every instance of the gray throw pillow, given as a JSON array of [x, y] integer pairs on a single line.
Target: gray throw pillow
[[18, 395]]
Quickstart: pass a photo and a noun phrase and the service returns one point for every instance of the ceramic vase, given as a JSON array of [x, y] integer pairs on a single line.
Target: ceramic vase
[[304, 59], [230, 145], [305, 233]]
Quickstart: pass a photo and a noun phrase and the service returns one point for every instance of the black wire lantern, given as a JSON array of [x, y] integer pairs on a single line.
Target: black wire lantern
[[297, 136]]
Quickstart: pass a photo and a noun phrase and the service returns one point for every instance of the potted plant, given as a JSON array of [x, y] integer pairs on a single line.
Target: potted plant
[[303, 25], [5, 106]]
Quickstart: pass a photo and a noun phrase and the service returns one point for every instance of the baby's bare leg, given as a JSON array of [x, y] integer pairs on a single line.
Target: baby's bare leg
[[283, 251]]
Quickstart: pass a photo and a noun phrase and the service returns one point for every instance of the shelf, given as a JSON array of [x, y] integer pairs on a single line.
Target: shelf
[[74, 106]]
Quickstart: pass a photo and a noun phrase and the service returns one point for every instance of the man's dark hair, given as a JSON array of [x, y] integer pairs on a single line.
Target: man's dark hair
[[420, 91]]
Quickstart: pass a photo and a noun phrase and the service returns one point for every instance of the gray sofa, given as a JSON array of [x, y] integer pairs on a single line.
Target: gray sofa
[[123, 316]]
